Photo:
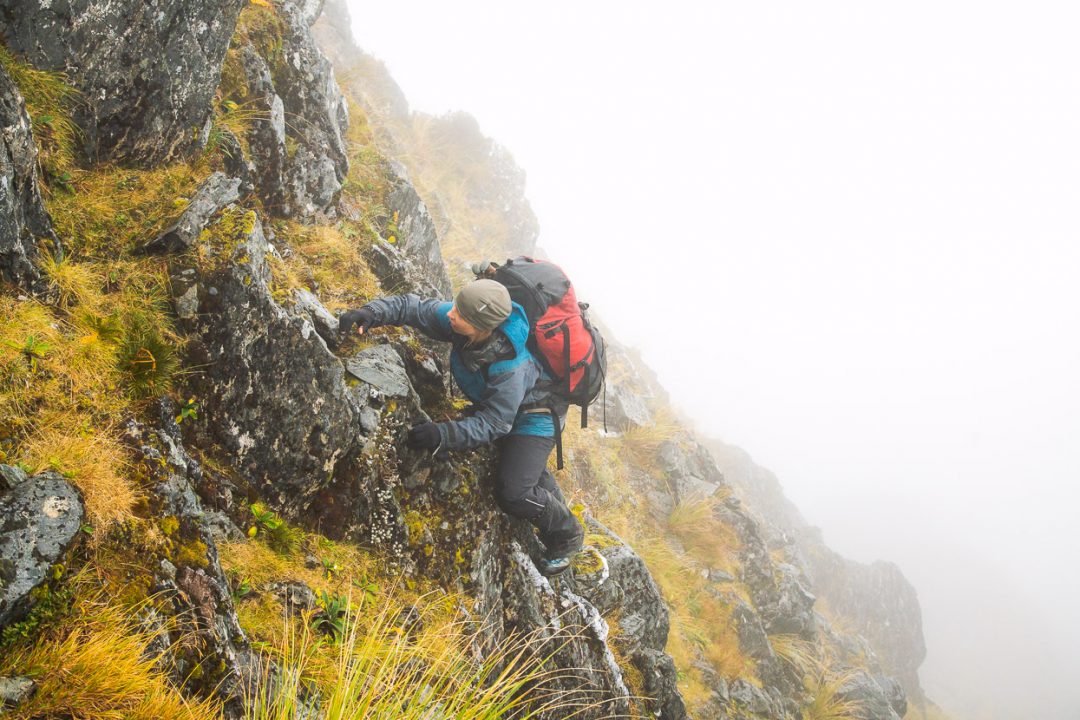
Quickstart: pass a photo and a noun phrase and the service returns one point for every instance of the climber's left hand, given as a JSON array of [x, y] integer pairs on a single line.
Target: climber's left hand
[[423, 436]]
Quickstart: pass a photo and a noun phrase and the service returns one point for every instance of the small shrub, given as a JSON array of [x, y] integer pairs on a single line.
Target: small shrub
[[279, 535], [147, 357], [331, 618], [32, 349]]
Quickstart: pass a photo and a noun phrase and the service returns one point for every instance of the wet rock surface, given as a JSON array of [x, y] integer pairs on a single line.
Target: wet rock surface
[[623, 583], [295, 596], [23, 220], [693, 474], [874, 701], [275, 397], [884, 607], [40, 519], [146, 72], [877, 598]]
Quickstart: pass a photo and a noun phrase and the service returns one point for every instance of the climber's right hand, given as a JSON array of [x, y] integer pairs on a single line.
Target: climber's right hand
[[362, 319]]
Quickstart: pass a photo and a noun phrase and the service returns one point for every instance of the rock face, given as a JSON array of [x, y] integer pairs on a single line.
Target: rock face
[[300, 164], [882, 604], [631, 389], [204, 630], [275, 396], [40, 518], [623, 583], [23, 220], [146, 71], [416, 235], [409, 258], [693, 474], [15, 690]]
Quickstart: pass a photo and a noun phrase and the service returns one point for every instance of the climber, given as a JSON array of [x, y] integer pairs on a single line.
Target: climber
[[493, 367]]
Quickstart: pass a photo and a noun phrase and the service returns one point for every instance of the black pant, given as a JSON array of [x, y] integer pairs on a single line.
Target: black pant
[[526, 489]]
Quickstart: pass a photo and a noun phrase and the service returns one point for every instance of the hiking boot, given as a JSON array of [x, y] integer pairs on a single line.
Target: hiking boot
[[553, 566], [566, 547]]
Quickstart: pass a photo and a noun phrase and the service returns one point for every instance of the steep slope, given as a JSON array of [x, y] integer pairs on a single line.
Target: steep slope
[[278, 427], [671, 482], [208, 507]]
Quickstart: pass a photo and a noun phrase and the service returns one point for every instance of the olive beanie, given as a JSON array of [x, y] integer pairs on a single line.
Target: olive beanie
[[484, 304]]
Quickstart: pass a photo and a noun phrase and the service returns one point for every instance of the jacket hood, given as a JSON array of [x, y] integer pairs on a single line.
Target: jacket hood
[[516, 327]]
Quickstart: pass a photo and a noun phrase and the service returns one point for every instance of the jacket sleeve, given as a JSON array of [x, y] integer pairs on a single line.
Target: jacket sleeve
[[427, 316], [495, 417]]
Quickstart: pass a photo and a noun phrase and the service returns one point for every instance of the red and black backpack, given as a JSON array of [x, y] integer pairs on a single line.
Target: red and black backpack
[[560, 334]]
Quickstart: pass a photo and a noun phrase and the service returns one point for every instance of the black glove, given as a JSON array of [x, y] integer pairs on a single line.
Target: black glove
[[363, 319], [423, 436]]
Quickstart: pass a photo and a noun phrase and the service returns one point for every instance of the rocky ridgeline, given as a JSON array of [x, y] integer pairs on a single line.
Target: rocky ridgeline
[[876, 600], [314, 426], [497, 190]]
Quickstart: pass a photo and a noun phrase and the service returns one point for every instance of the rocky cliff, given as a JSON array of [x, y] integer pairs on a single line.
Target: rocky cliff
[[204, 490], [877, 600]]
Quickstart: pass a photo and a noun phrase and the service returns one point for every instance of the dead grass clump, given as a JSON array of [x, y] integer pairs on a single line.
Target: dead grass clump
[[73, 283], [801, 655], [64, 389], [329, 258], [408, 665], [827, 701]]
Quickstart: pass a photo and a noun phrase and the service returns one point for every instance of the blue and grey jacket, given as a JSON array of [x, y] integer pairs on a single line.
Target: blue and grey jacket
[[500, 378]]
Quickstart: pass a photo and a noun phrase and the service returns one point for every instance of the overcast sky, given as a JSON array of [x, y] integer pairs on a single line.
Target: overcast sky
[[845, 234]]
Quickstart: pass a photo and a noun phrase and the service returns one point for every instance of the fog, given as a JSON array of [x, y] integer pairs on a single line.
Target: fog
[[845, 235]]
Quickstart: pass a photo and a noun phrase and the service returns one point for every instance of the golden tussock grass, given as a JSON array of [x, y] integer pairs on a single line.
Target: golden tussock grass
[[396, 651], [73, 283], [257, 562], [642, 443], [826, 701], [803, 656], [64, 386], [436, 661], [330, 258], [693, 521], [99, 669], [110, 209], [701, 626], [96, 463]]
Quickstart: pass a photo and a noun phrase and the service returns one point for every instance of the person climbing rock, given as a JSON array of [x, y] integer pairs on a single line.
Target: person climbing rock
[[511, 407]]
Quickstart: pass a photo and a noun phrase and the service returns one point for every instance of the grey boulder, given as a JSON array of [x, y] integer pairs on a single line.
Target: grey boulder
[[146, 71], [40, 519]]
